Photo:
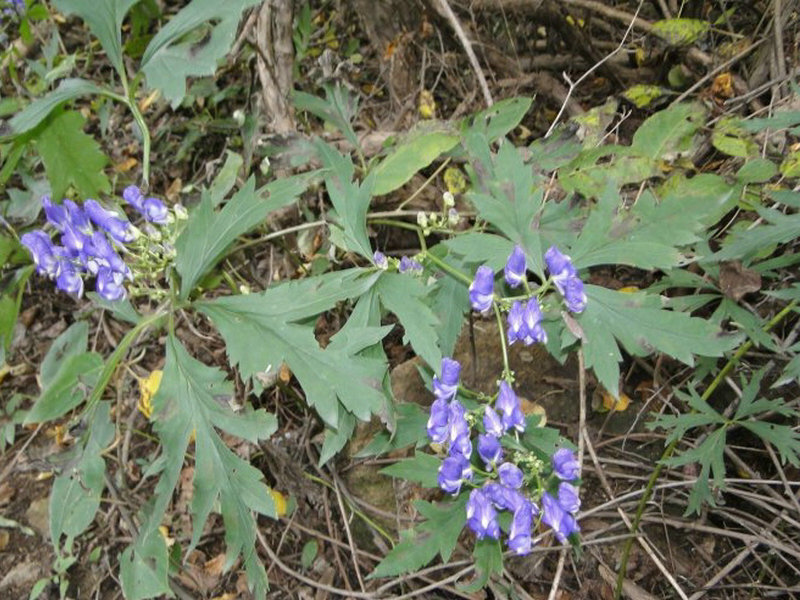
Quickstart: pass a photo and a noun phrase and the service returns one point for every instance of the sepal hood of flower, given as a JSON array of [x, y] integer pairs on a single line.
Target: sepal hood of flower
[[565, 278], [481, 290]]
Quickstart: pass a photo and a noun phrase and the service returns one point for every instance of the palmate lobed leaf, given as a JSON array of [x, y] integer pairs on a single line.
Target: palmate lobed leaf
[[71, 157], [261, 332], [191, 397], [639, 323], [208, 233], [169, 59]]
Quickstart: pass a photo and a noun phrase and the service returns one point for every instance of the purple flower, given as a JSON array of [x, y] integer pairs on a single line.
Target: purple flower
[[559, 265], [516, 323], [55, 213], [155, 211], [515, 267], [380, 260], [510, 475], [458, 433], [98, 252], [73, 240], [409, 264], [568, 497], [532, 318], [453, 472], [519, 534], [109, 284], [77, 218], [489, 450], [120, 230], [447, 386], [438, 421], [492, 422], [482, 516], [43, 252], [509, 407], [574, 295], [562, 523], [565, 466], [133, 196], [68, 279], [481, 290], [504, 498]]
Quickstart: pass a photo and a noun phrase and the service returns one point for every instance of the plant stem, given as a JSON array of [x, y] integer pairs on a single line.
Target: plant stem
[[448, 269], [137, 116], [671, 448], [501, 333]]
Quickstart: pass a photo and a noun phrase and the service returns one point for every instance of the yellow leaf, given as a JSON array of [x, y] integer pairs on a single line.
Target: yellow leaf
[[285, 374], [628, 289], [280, 502], [148, 386], [455, 180], [617, 404], [427, 105], [165, 534]]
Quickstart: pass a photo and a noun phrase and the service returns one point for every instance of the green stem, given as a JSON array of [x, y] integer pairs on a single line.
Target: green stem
[[671, 448], [506, 368], [119, 352], [448, 269], [137, 116]]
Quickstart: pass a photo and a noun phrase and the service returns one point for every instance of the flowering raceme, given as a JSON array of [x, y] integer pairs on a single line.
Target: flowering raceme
[[565, 278], [92, 238]]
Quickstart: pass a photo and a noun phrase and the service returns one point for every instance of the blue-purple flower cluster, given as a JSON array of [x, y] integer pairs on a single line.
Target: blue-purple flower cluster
[[525, 318], [85, 251], [405, 264], [14, 7], [560, 509]]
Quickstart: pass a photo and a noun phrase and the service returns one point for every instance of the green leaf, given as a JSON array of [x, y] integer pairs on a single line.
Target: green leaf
[[72, 157], [144, 567], [669, 133], [757, 170], [8, 321], [404, 296], [191, 398], [104, 18], [710, 455], [191, 44], [641, 326], [790, 167], [350, 200], [310, 548], [416, 152], [450, 302], [409, 430], [208, 234], [67, 373], [730, 138], [500, 118], [75, 497], [504, 195], [680, 32], [226, 178], [488, 556], [38, 110], [482, 248], [744, 245], [423, 468], [437, 535], [261, 332], [338, 108]]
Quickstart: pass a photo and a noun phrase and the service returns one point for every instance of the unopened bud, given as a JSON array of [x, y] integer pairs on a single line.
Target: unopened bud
[[452, 216], [180, 212], [448, 199], [238, 116], [422, 219]]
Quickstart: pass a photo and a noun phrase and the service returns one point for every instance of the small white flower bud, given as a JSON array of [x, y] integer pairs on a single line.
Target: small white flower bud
[[452, 216], [422, 219], [238, 116], [448, 199]]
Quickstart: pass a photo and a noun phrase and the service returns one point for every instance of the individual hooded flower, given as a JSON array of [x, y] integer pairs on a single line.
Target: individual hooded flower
[[482, 516], [574, 295], [568, 497], [489, 450], [504, 498], [492, 422], [438, 422], [510, 475], [409, 264], [380, 260], [155, 211], [55, 213], [532, 317], [99, 252], [515, 267], [458, 433], [133, 196], [109, 221], [562, 523], [77, 218], [68, 279], [565, 465], [109, 284], [481, 290], [43, 252], [508, 406], [453, 472], [446, 386], [516, 323], [519, 534]]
